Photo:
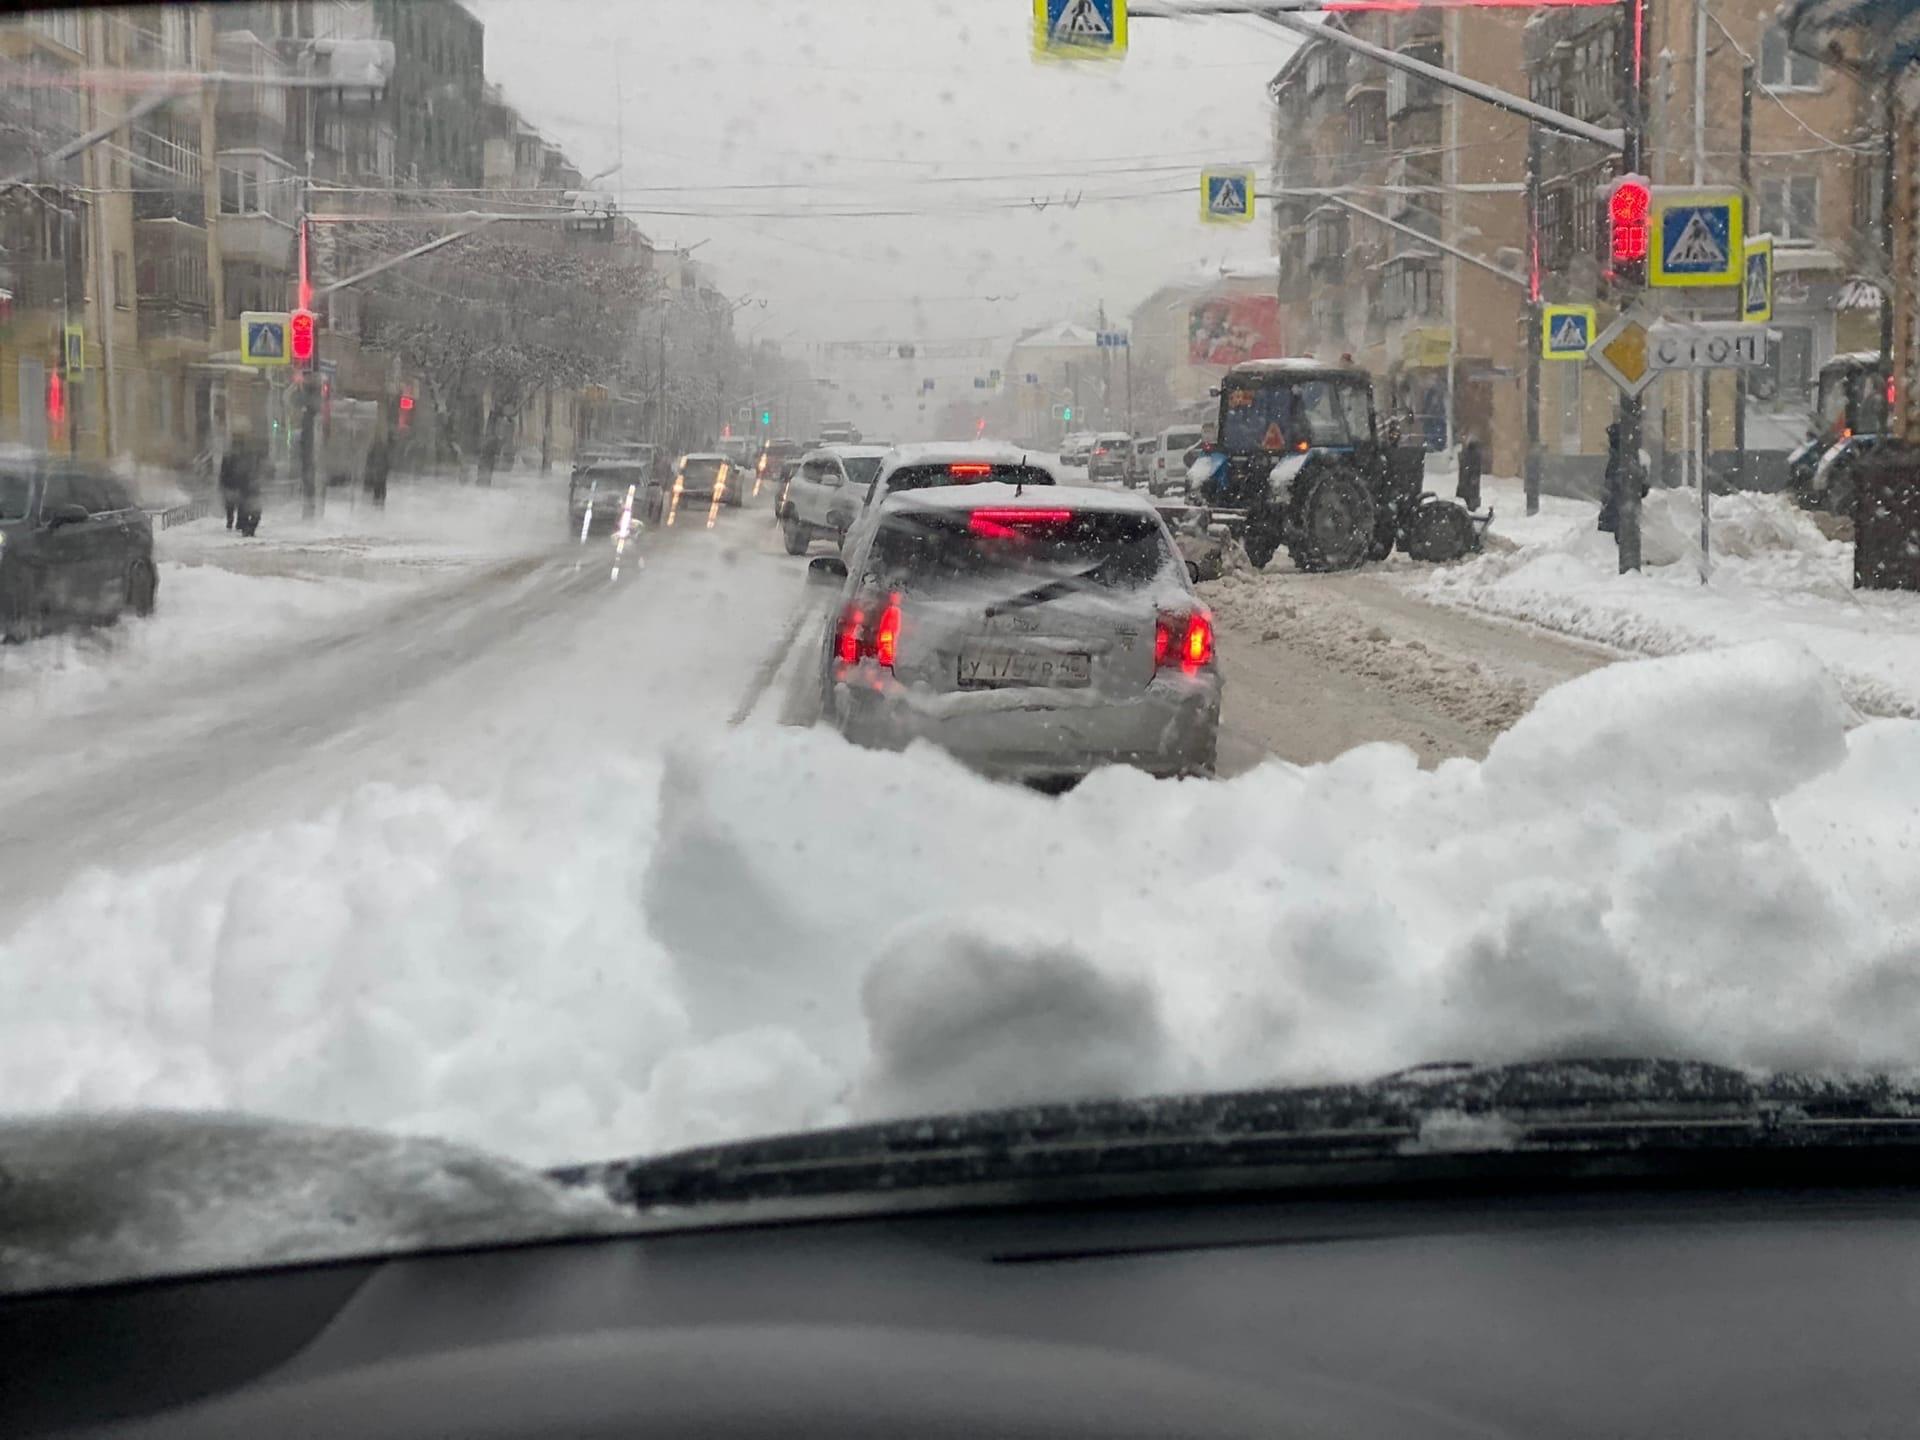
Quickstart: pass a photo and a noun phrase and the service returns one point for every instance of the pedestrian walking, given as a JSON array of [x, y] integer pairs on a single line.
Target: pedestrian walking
[[379, 463], [1466, 487], [230, 486], [250, 457]]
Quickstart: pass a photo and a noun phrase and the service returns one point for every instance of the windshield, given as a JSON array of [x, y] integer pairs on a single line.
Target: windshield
[[16, 495], [373, 765], [1292, 416]]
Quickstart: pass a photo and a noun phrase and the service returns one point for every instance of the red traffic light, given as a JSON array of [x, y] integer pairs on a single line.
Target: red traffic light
[[1628, 205], [300, 337], [56, 399], [406, 401]]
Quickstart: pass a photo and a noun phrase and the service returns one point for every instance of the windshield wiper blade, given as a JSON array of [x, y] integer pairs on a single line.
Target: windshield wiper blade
[[1412, 1123]]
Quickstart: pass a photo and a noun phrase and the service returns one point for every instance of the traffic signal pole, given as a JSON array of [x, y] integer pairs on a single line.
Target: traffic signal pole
[[1628, 283]]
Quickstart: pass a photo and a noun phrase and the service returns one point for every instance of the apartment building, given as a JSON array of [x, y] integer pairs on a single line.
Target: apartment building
[[1361, 277]]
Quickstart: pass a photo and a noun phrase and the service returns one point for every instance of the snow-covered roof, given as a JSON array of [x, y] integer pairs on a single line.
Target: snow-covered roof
[[1289, 363], [706, 455], [846, 450], [1061, 335], [996, 452], [1032, 497]]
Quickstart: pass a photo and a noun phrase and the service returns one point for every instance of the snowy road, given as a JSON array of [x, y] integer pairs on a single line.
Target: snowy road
[[532, 656]]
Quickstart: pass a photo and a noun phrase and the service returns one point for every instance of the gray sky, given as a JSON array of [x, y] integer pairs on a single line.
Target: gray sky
[[895, 105]]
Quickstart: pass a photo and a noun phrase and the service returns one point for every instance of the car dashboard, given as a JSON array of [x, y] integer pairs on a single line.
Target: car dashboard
[[1750, 1314]]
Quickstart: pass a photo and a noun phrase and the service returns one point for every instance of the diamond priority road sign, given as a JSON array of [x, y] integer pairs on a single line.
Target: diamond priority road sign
[[1079, 29], [1621, 353], [1697, 237], [1566, 331], [1226, 195]]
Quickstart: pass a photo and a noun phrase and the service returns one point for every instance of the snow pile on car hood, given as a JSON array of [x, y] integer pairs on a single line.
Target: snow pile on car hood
[[770, 930], [1773, 574], [91, 1199]]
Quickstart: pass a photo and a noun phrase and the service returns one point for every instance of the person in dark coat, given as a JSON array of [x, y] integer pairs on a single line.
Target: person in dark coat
[[252, 457], [1467, 486], [1609, 521], [379, 463], [231, 464]]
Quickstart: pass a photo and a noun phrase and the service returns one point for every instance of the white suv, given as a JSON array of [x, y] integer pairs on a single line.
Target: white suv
[[1166, 470], [827, 493]]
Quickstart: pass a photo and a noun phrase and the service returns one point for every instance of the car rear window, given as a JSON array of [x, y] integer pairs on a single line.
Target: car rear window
[[701, 471], [964, 472], [16, 494], [929, 552]]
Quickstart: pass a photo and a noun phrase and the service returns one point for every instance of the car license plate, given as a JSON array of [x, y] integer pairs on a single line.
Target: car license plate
[[991, 666]]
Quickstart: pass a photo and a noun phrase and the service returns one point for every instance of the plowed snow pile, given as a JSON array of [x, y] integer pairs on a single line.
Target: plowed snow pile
[[1773, 575], [1694, 856]]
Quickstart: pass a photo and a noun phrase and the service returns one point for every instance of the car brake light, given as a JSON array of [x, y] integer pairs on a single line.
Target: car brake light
[[999, 524], [969, 470], [853, 625], [1186, 638], [860, 636], [886, 635]]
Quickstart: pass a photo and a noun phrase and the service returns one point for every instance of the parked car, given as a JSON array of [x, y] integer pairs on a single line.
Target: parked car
[[959, 598], [1167, 465], [826, 494], [1108, 458], [1140, 458], [597, 495], [788, 469], [73, 546], [1076, 449]]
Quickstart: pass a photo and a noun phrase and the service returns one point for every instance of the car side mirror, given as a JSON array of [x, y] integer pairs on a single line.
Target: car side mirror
[[826, 567], [55, 515]]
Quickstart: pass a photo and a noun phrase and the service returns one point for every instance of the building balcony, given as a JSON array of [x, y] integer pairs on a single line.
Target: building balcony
[[41, 284], [256, 239], [187, 206]]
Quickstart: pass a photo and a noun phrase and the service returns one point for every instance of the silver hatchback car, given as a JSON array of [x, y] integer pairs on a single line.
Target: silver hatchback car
[[1036, 633]]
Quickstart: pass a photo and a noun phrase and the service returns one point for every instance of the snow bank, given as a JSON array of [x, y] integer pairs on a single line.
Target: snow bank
[[1774, 575], [770, 930]]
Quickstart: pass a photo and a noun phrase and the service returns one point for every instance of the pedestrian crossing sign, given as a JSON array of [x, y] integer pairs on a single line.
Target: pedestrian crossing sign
[[1226, 195], [1566, 331], [1079, 29], [1697, 237], [263, 338], [1756, 294]]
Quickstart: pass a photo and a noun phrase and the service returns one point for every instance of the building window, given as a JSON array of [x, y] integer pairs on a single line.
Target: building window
[[1784, 69], [1790, 207], [122, 290], [1367, 119]]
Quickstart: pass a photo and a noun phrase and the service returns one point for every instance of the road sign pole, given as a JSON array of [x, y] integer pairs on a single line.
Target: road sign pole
[[1633, 74], [1531, 463], [1746, 208]]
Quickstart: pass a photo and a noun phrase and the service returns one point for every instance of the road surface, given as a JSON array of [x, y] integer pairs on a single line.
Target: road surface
[[532, 658]]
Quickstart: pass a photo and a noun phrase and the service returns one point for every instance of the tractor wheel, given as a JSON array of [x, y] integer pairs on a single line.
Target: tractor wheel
[[1336, 522], [1385, 533], [1439, 532]]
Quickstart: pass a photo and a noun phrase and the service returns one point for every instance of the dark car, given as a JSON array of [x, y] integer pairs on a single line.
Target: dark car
[[73, 546], [597, 494]]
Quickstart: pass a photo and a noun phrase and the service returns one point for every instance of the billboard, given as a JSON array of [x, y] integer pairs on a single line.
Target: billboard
[[1226, 329]]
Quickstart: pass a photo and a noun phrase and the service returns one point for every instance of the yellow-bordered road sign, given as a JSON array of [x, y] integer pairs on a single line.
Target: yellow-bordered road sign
[[263, 338], [1696, 237], [1079, 29], [1567, 331], [1620, 353], [1756, 291], [73, 348], [1226, 195]]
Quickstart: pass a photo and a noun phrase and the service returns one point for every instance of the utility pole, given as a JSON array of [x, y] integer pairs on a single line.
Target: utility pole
[[1628, 286], [1531, 464], [1888, 118], [1452, 172], [1746, 206], [1702, 379]]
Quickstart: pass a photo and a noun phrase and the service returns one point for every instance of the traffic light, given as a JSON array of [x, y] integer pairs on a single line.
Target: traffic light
[[406, 411], [300, 336], [1628, 205], [1066, 413], [766, 417], [56, 399]]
